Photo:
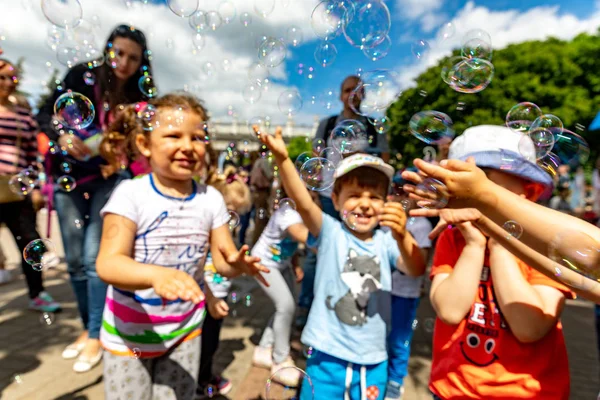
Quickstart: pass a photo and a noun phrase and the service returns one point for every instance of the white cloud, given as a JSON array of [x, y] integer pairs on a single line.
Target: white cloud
[[26, 33], [425, 11], [505, 27]]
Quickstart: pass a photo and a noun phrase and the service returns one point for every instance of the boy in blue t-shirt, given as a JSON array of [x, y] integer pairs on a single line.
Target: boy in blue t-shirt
[[350, 316]]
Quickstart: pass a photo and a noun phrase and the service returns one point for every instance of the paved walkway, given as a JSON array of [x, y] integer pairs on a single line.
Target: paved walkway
[[31, 367]]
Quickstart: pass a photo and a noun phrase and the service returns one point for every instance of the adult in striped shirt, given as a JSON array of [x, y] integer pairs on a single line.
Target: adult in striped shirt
[[18, 150]]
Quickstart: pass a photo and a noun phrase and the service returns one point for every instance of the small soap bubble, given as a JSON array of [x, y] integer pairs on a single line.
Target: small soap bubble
[[275, 390], [325, 53], [66, 167], [289, 102], [211, 390], [286, 205], [271, 52], [542, 140], [471, 75], [433, 193], [63, 13], [233, 220], [264, 7], [66, 183], [447, 31], [294, 36], [307, 351], [74, 110], [245, 19], [301, 159], [89, 78], [78, 224], [415, 324], [317, 173], [248, 300], [21, 184], [318, 145], [233, 297], [183, 8], [148, 117], [368, 25], [214, 20], [349, 136], [549, 122], [198, 21], [327, 19], [147, 87], [18, 379], [227, 11], [378, 52], [261, 213], [431, 126], [252, 93], [36, 251], [47, 318], [576, 251], [350, 219], [570, 148], [332, 155], [477, 43], [419, 48], [520, 117], [137, 353], [406, 204], [513, 228]]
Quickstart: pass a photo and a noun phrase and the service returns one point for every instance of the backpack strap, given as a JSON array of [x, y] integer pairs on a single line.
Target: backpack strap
[[329, 127]]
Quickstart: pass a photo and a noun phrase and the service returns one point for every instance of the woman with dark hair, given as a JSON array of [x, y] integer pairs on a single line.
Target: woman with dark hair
[[76, 152]]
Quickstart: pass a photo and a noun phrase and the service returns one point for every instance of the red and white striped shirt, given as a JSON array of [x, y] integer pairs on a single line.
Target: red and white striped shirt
[[14, 123]]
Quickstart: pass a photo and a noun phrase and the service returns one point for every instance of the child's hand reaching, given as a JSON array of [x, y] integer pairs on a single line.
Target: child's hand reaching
[[172, 284], [246, 263], [218, 308], [472, 235], [447, 217], [275, 143], [394, 217]]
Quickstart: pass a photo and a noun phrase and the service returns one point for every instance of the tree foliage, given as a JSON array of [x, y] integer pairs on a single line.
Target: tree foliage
[[561, 77], [298, 145]]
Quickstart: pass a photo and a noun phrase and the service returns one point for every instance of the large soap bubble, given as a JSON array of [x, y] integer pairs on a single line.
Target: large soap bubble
[[369, 25]]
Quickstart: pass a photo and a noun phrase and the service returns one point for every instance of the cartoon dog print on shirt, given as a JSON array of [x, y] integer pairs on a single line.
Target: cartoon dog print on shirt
[[361, 273]]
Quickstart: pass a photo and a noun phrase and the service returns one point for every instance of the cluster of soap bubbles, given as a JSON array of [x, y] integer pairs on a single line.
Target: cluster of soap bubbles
[[472, 71], [553, 145]]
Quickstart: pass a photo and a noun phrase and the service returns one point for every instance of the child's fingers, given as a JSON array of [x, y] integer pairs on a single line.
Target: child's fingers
[[439, 228], [424, 212], [392, 218], [278, 133], [458, 165], [223, 307], [412, 176]]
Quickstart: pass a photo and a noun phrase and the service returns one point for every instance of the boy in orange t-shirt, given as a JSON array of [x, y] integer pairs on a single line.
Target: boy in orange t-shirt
[[497, 335]]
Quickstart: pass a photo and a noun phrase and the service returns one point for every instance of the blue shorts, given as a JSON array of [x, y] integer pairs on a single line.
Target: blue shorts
[[331, 377]]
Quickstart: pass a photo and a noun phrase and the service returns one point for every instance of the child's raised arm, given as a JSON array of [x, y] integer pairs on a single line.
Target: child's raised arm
[[530, 310], [311, 214], [116, 266]]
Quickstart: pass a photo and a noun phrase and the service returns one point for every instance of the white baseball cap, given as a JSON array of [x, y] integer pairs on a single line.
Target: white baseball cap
[[363, 160], [501, 148]]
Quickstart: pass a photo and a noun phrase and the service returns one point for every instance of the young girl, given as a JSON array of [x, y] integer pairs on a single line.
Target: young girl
[[276, 246], [237, 198], [156, 234]]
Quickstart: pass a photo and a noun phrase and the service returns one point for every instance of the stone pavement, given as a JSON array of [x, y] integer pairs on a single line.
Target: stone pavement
[[31, 366]]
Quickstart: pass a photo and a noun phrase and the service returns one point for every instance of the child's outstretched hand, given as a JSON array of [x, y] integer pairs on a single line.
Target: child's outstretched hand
[[472, 235], [275, 143], [173, 284], [218, 308], [447, 216], [394, 217], [246, 264]]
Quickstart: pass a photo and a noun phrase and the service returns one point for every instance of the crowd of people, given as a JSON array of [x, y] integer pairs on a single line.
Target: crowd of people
[[152, 256]]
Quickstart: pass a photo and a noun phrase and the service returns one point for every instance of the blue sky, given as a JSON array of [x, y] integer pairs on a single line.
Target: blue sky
[[507, 21]]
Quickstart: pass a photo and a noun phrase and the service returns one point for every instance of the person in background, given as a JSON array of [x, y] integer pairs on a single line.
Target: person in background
[[261, 179], [578, 191], [115, 83], [245, 218], [18, 151], [596, 186], [561, 202]]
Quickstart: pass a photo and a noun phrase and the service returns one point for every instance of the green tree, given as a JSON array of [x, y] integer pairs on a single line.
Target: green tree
[[298, 145], [561, 77]]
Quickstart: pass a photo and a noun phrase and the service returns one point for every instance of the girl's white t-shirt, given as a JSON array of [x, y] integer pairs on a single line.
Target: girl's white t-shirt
[[274, 247], [173, 233]]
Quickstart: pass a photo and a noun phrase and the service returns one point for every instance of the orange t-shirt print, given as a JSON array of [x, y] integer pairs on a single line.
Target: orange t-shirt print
[[480, 358]]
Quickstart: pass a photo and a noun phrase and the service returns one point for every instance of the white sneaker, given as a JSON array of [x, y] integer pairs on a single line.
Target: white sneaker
[[286, 373], [84, 364], [263, 357]]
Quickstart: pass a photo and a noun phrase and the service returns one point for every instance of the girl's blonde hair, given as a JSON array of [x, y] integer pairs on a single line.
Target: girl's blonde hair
[[233, 188], [120, 141]]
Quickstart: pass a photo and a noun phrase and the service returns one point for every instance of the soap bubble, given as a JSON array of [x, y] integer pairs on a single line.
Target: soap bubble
[[550, 164], [301, 159], [433, 193], [286, 205], [257, 73], [37, 251], [263, 124], [198, 21], [294, 36], [227, 11], [66, 183], [137, 353], [271, 52], [183, 8], [21, 184], [419, 48], [379, 51], [233, 220], [89, 78], [513, 228], [148, 117], [349, 136], [576, 251], [369, 25], [261, 213], [543, 141], [447, 31], [251, 93], [248, 300], [67, 54], [275, 390], [325, 53], [329, 99], [47, 318], [382, 125], [549, 122], [308, 351], [448, 65], [289, 102], [264, 7], [570, 148], [208, 69], [317, 174], [350, 219], [520, 117], [327, 18], [332, 155], [431, 127], [318, 144], [380, 88], [471, 75], [246, 19], [66, 167], [214, 20], [147, 87], [477, 43], [74, 110], [63, 13]]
